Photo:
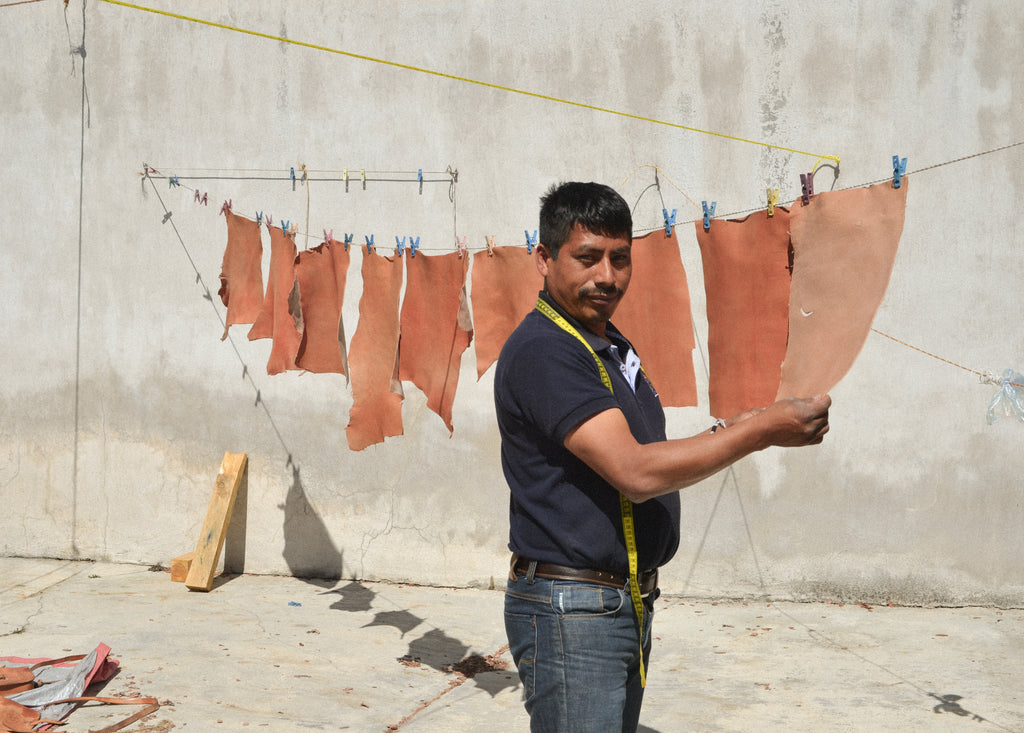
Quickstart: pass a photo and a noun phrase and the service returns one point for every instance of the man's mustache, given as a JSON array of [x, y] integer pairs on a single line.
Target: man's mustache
[[610, 290]]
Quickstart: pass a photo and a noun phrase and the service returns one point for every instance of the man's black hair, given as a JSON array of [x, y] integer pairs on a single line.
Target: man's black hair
[[597, 208]]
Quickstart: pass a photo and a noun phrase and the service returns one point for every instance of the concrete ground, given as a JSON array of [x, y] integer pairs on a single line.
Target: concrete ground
[[283, 654]]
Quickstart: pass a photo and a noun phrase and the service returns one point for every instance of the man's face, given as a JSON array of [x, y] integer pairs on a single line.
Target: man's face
[[589, 277]]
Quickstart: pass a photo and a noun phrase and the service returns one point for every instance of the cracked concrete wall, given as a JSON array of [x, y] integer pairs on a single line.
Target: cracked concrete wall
[[119, 399]]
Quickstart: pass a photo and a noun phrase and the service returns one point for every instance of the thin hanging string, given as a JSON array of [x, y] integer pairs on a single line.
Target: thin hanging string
[[983, 377], [746, 212], [169, 218], [150, 174], [466, 80]]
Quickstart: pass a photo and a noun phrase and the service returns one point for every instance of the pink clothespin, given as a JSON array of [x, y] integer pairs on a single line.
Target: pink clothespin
[[226, 207], [460, 244], [328, 237], [807, 183]]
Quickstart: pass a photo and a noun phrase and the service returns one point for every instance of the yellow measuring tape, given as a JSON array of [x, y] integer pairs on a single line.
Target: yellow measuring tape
[[625, 505]]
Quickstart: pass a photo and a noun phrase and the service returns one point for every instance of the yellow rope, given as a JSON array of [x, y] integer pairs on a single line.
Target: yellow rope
[[443, 75]]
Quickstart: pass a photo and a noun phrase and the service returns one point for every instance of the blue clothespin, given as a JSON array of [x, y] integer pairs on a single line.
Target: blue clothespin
[[293, 177], [899, 169], [670, 221], [531, 241], [285, 223], [414, 244], [259, 218], [369, 244], [708, 213], [400, 246], [348, 240], [419, 177], [172, 182], [807, 185]]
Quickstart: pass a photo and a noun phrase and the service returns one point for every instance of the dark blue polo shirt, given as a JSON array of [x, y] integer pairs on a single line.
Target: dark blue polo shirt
[[561, 511]]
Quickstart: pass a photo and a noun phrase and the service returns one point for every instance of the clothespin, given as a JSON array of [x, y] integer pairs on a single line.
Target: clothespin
[[270, 221], [419, 177], [285, 226], [460, 244], [167, 217], [708, 213], [293, 177], [414, 244], [899, 169], [807, 184], [531, 241], [328, 237], [226, 207], [400, 246], [362, 174], [773, 199], [369, 244], [259, 218], [172, 181], [490, 244], [670, 221], [206, 200], [345, 174], [196, 197], [348, 240], [305, 177]]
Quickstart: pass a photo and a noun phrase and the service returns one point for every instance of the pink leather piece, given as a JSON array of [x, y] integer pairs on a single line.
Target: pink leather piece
[[376, 411], [505, 284], [241, 275], [321, 273], [655, 316], [435, 328], [279, 317], [746, 283], [844, 246]]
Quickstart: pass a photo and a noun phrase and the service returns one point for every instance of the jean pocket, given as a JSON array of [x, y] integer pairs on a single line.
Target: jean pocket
[[521, 629], [577, 599]]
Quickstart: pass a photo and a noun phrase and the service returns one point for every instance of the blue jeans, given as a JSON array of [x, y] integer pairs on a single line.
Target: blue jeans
[[577, 650]]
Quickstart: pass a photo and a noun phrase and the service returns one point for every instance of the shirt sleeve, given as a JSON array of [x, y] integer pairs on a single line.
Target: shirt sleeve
[[555, 385]]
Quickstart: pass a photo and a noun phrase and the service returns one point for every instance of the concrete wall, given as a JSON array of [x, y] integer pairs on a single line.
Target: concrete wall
[[118, 398]]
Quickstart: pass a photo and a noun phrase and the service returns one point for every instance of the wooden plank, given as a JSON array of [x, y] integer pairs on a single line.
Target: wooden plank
[[218, 515], [180, 566]]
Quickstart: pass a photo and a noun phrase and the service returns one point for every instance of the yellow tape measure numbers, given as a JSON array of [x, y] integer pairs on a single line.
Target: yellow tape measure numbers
[[625, 505]]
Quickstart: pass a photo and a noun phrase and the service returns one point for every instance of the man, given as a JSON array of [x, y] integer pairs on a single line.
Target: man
[[581, 427]]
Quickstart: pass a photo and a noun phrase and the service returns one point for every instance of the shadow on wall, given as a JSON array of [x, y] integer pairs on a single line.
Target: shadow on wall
[[308, 549]]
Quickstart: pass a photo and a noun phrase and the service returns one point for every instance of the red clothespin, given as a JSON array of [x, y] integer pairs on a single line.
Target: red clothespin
[[807, 184], [460, 244], [490, 244], [196, 197], [773, 199], [226, 207], [206, 200]]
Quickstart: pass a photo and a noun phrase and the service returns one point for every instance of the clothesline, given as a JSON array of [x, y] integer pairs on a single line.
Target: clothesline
[[466, 80]]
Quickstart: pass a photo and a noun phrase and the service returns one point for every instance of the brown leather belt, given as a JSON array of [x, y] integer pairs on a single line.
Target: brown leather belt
[[648, 579]]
